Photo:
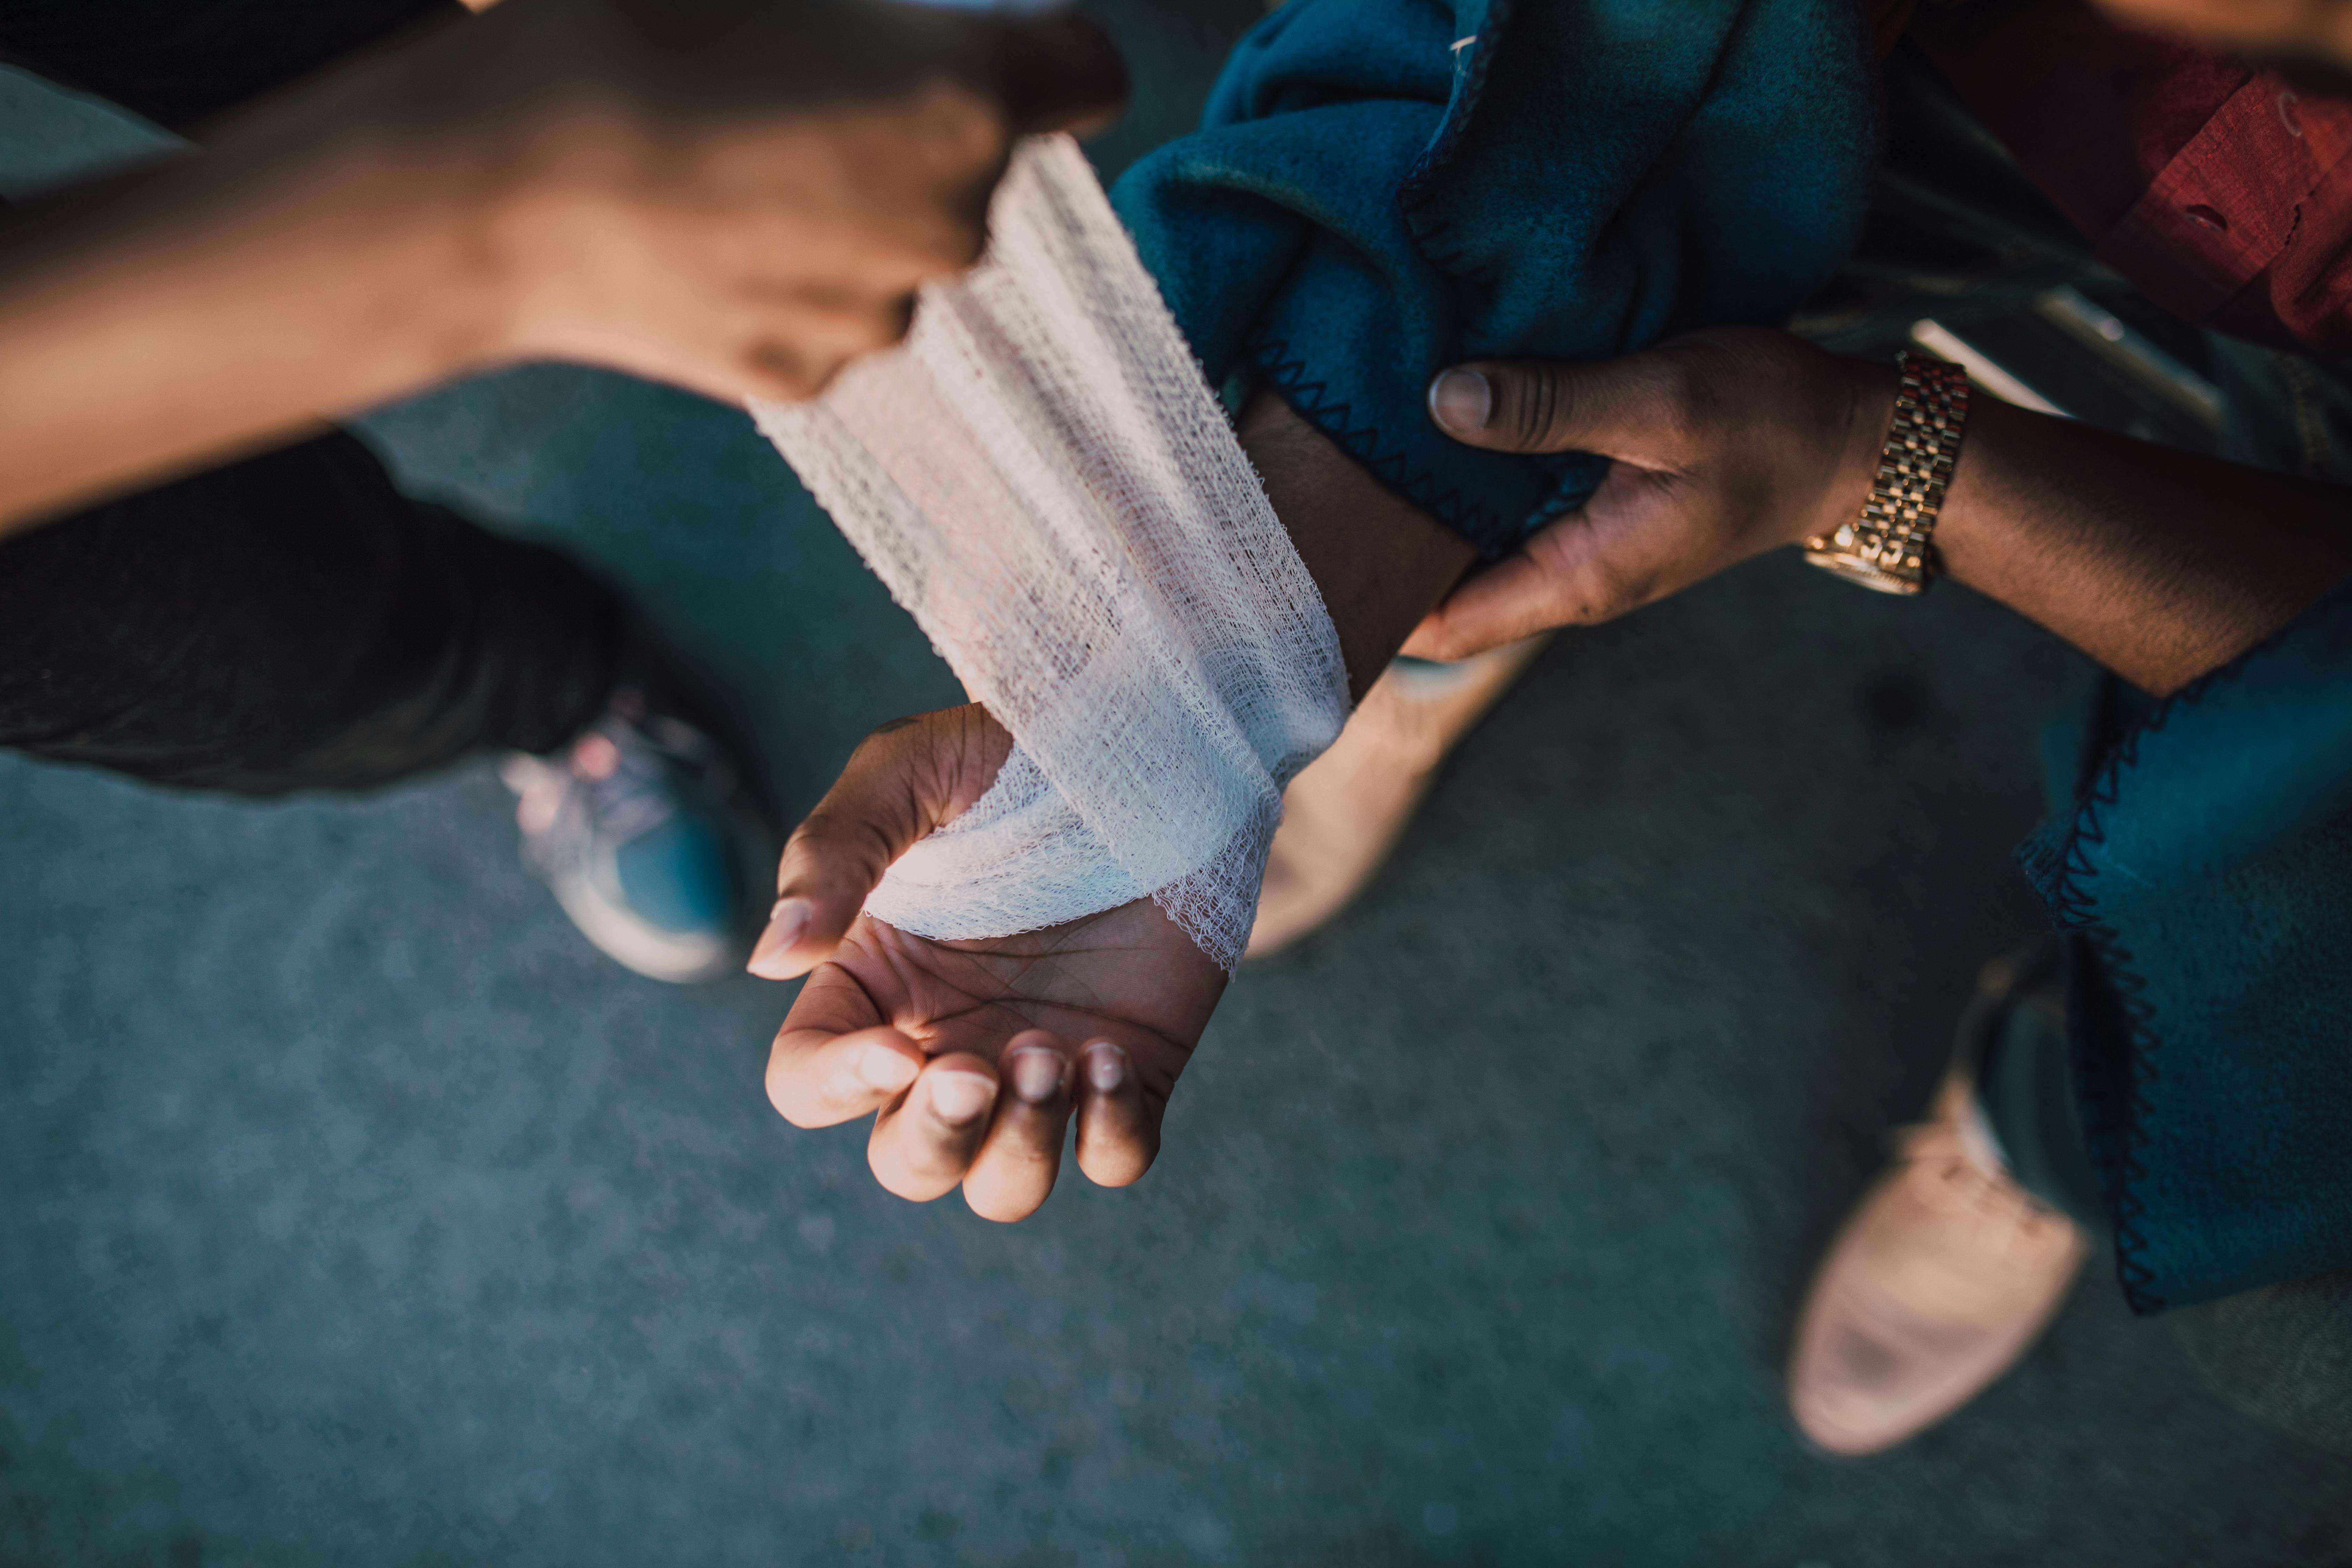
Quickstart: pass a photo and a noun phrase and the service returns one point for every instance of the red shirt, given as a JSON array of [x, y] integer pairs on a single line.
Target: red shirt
[[2224, 193]]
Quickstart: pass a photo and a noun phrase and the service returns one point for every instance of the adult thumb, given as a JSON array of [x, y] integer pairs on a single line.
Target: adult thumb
[[1540, 405], [1060, 73]]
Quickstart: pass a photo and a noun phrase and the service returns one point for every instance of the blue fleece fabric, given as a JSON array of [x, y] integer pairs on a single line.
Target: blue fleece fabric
[[2203, 876], [1382, 187]]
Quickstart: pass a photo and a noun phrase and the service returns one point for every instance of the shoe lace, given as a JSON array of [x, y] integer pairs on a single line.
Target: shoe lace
[[632, 796], [1943, 1173]]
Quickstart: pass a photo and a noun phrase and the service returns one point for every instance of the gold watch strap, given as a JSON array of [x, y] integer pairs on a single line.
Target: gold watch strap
[[1890, 546]]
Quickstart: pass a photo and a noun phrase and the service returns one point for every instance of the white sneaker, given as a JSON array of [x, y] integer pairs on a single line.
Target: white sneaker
[[1942, 1280]]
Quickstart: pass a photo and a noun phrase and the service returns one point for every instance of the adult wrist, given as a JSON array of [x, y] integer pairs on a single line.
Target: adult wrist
[[1865, 398], [359, 241], [397, 173], [1889, 546]]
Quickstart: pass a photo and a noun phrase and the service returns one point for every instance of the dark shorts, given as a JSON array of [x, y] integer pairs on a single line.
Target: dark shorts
[[288, 621]]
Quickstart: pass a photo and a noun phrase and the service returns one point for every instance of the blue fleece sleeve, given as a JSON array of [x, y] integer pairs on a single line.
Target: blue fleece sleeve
[[1382, 187], [2202, 871]]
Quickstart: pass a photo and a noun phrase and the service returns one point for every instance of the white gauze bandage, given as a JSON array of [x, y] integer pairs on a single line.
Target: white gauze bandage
[[1041, 476]]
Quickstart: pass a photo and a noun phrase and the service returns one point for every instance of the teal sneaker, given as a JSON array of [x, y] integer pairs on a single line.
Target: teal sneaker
[[644, 830]]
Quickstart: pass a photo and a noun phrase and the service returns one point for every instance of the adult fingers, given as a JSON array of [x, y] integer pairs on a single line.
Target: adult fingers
[[803, 344], [1638, 539], [1118, 1134], [1630, 408], [1062, 73], [1568, 573], [1022, 1154], [905, 779], [1508, 601], [924, 1140]]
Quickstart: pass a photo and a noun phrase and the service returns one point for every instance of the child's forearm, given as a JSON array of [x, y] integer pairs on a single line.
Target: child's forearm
[[1381, 561]]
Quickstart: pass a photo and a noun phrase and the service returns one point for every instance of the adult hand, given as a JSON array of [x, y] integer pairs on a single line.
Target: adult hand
[[737, 195], [971, 1055], [2159, 564], [1722, 445]]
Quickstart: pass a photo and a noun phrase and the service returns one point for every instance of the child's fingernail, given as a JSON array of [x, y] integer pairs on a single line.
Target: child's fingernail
[[958, 1097], [1461, 400], [879, 1067], [786, 924], [1105, 1067], [1036, 1073]]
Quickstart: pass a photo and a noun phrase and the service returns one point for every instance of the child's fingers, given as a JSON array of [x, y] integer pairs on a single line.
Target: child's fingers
[[904, 780], [1118, 1136], [817, 1078], [1017, 1163], [924, 1140]]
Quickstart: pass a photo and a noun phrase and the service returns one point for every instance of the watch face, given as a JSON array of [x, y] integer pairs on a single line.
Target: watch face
[[1862, 573]]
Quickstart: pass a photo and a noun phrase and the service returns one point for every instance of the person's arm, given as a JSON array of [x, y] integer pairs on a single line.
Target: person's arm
[[1380, 563], [2305, 33], [973, 1057], [2160, 564], [735, 196]]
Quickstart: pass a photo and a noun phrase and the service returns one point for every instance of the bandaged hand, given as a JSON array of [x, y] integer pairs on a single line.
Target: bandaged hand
[[1169, 612], [971, 1057], [1724, 445]]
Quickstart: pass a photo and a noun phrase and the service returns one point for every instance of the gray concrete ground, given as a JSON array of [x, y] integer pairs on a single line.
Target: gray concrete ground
[[356, 1212]]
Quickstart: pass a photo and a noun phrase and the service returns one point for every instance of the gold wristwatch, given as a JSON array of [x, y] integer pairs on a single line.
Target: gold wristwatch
[[1891, 545]]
